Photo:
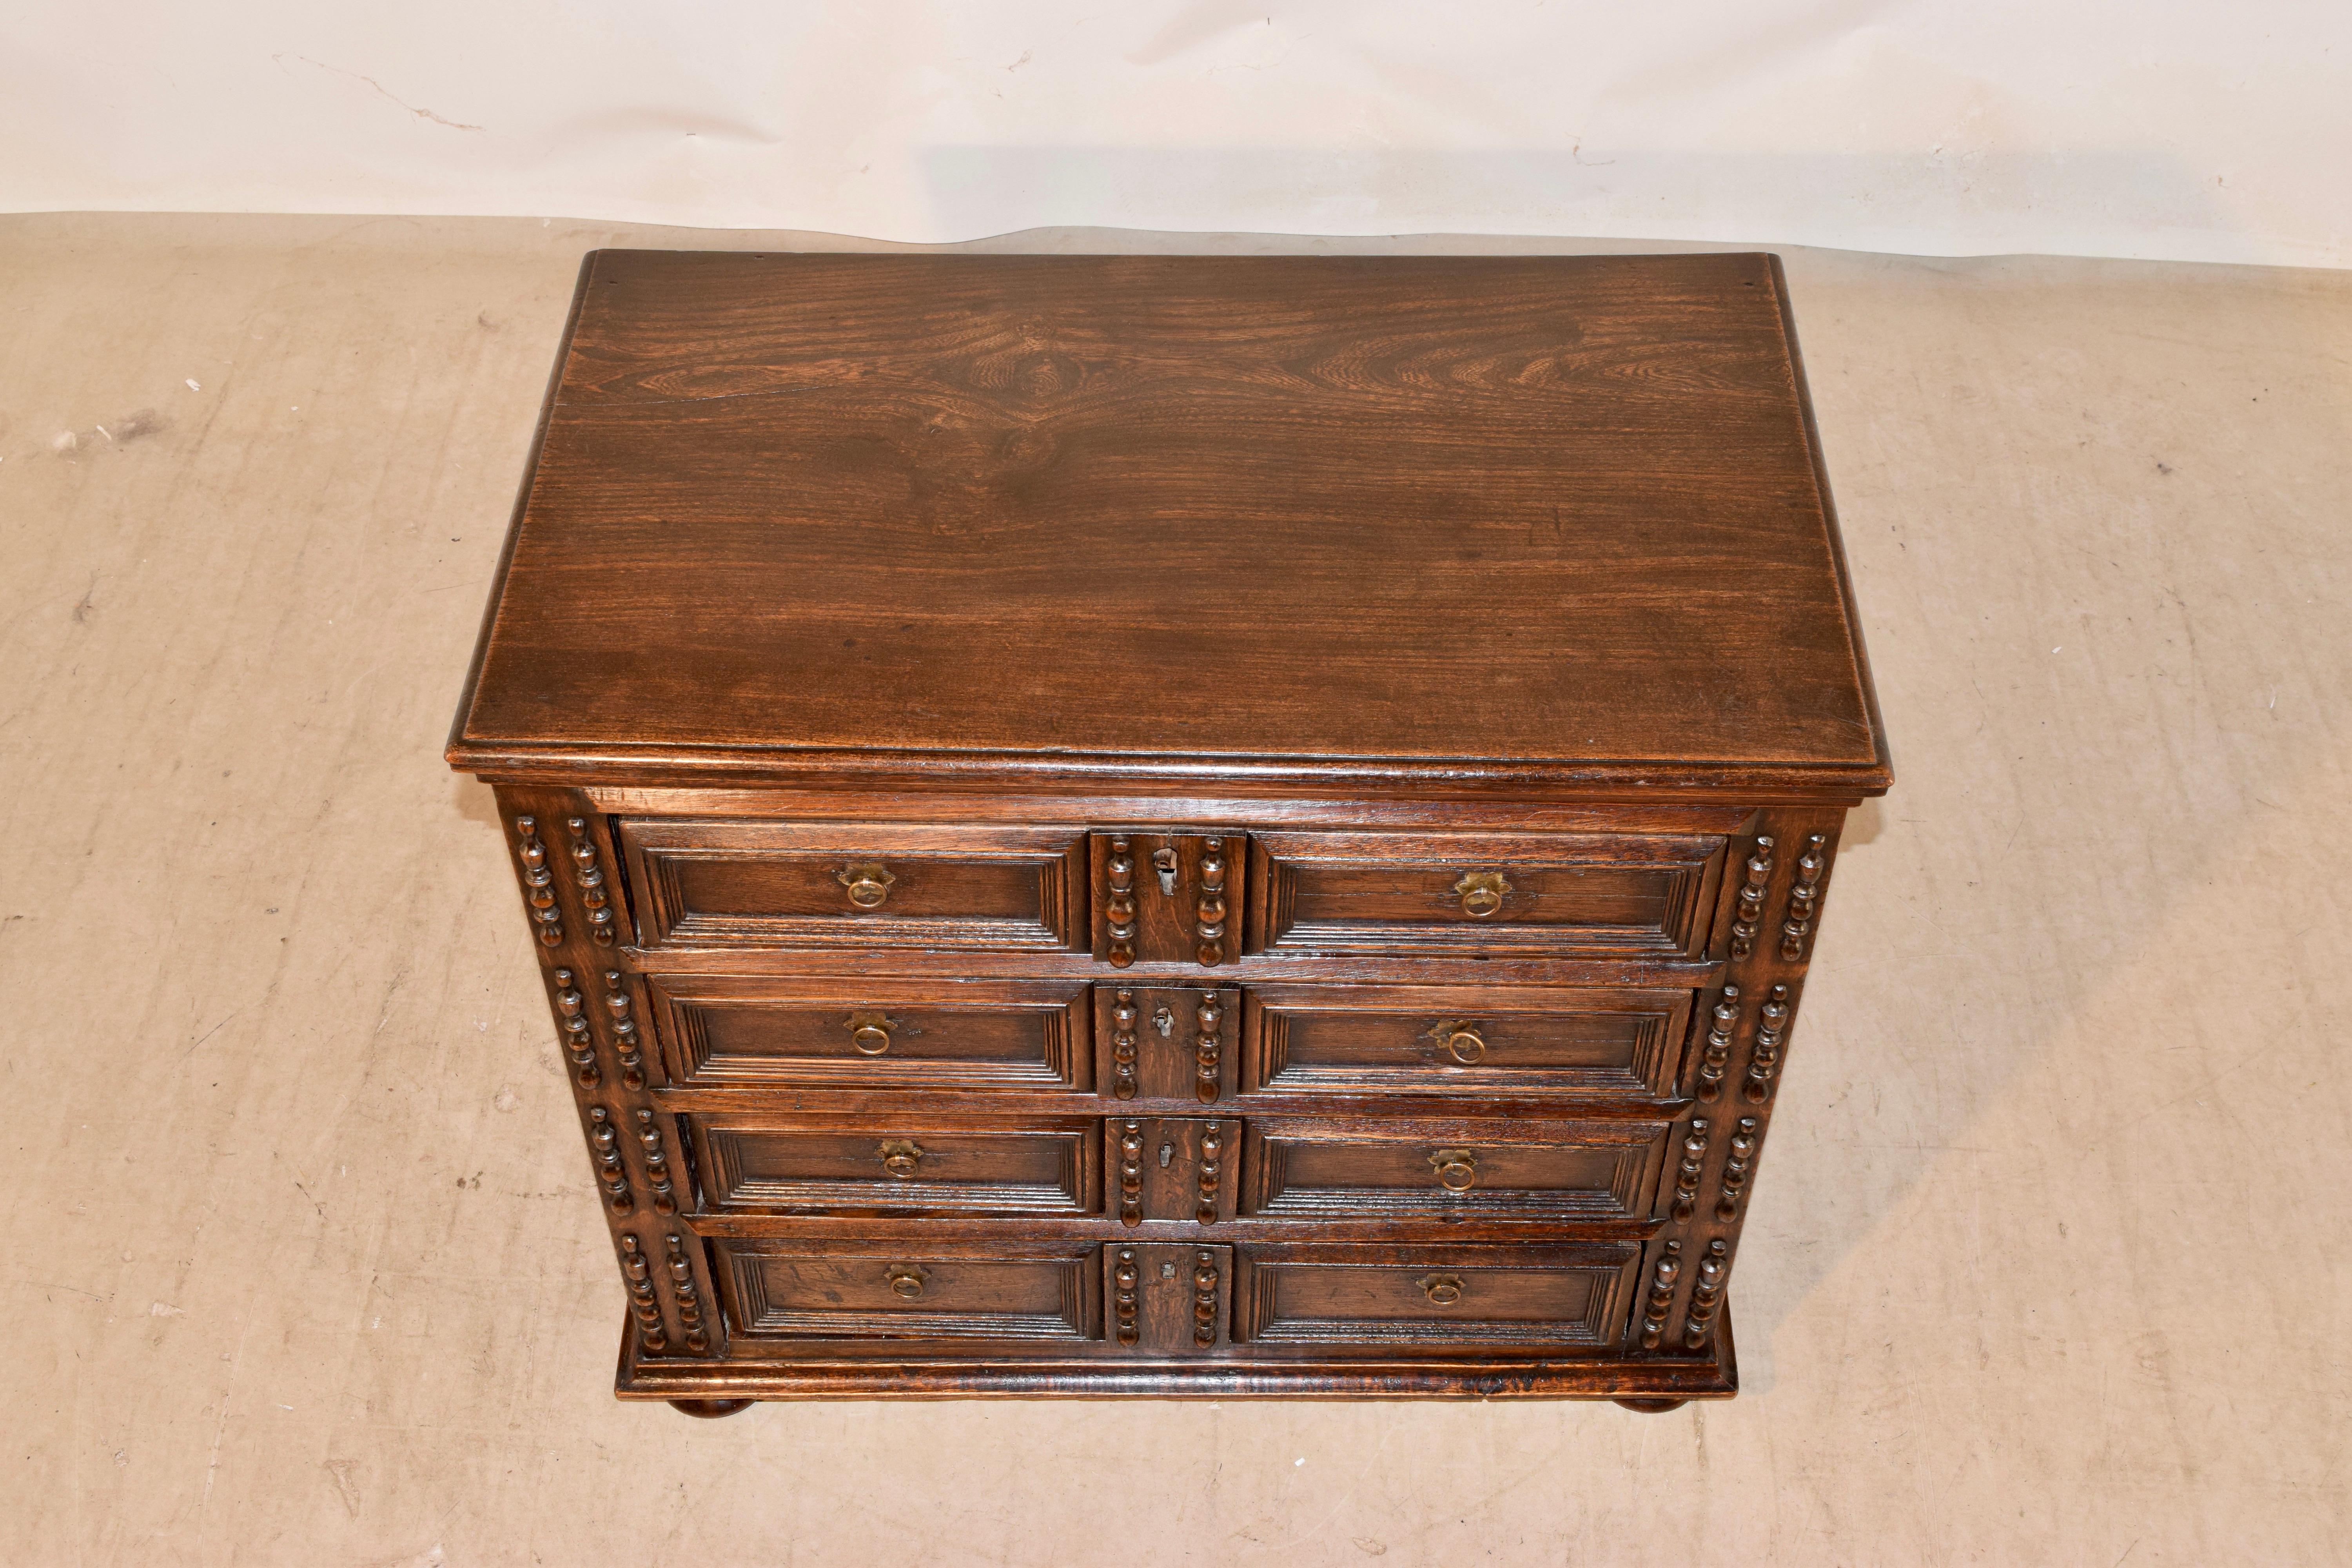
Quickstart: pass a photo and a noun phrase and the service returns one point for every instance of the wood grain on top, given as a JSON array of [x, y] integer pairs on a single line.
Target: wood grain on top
[[1103, 514]]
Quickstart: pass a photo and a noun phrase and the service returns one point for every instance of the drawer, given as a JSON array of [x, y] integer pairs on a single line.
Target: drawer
[[763, 1031], [1562, 1297], [1528, 1042], [865, 1166], [1499, 894], [1423, 1168], [831, 885], [912, 1290]]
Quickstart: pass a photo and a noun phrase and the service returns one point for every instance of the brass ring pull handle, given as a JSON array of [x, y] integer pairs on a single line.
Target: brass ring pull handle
[[1482, 893], [869, 1034], [906, 1280], [900, 1157], [1443, 1289], [868, 884], [1458, 1169], [1464, 1042]]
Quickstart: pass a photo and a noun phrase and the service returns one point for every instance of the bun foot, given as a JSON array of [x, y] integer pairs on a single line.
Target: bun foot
[[712, 1409], [1653, 1406]]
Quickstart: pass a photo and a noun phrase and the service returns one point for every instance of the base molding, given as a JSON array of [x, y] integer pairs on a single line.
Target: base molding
[[1650, 1382]]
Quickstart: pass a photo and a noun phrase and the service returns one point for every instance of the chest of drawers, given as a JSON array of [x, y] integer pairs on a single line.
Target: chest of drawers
[[1164, 826]]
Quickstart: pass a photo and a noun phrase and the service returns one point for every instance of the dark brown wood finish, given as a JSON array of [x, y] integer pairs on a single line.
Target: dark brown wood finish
[[855, 885], [1169, 898], [1450, 1170], [1477, 1042], [1153, 826], [1171, 1168], [761, 1031], [1565, 1299], [1176, 518], [934, 1290], [1161, 1043], [1488, 894], [902, 1165], [564, 857]]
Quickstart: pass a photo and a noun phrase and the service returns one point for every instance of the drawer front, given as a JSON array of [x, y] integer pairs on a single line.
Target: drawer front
[[762, 1031], [915, 1290], [1500, 894], [1477, 1041], [871, 1167], [1562, 1297], [856, 885], [1588, 1171]]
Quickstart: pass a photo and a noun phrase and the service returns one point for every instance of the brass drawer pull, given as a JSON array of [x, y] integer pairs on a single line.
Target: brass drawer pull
[[906, 1280], [899, 1157], [1458, 1169], [1443, 1289], [870, 1033], [1462, 1041], [868, 884], [1482, 893]]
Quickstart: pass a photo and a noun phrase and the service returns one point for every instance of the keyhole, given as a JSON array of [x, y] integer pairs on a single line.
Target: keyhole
[[1167, 1155], [1168, 1271], [1165, 1022], [1163, 864]]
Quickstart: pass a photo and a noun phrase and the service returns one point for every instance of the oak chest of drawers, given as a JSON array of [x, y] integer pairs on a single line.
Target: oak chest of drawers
[[1147, 826]]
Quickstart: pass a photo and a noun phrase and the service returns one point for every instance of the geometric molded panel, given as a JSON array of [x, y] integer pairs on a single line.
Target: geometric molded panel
[[838, 885], [913, 1289], [1568, 1298], [1420, 1169], [763, 1030], [1516, 895], [1482, 1042], [865, 1166]]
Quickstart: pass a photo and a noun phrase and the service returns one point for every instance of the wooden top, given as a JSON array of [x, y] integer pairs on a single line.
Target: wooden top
[[1283, 522]]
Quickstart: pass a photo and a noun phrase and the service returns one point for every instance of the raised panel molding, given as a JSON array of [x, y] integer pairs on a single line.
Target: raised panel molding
[[1397, 1037], [1408, 886], [687, 1009], [864, 1297], [803, 855], [1568, 1298], [1630, 1152], [907, 1177]]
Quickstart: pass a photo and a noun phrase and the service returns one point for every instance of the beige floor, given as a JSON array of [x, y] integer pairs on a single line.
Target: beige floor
[[2048, 1262]]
